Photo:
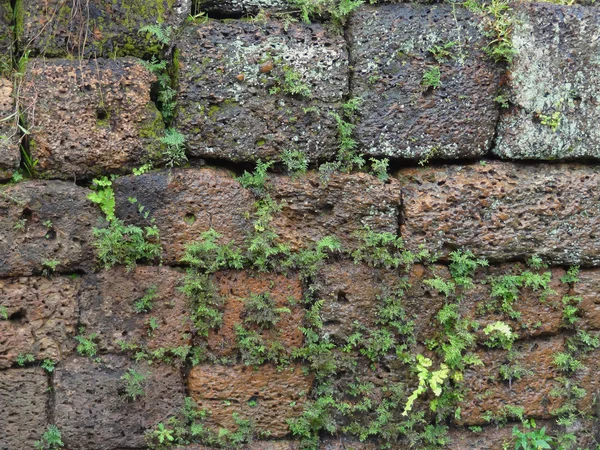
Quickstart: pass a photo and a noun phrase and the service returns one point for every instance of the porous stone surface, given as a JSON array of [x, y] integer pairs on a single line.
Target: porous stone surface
[[238, 8], [487, 391], [90, 117], [554, 85], [504, 211], [22, 407], [107, 308], [587, 288], [228, 74], [46, 221], [42, 318], [236, 286], [390, 50], [97, 28], [256, 445], [6, 33], [278, 395], [342, 208], [184, 203], [9, 139], [91, 407]]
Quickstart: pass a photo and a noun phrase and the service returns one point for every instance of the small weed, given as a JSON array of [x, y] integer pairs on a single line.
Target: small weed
[[161, 33], [51, 439], [174, 155], [291, 84], [134, 383], [20, 225], [255, 181], [552, 121], [379, 168], [26, 358], [432, 78], [500, 335], [3, 312], [260, 310], [443, 52], [86, 346], [531, 440], [295, 161], [144, 304], [103, 196], [48, 365], [153, 325]]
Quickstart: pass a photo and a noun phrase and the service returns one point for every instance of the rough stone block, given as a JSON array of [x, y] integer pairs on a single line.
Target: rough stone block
[[186, 203], [239, 8], [42, 318], [91, 407], [391, 48], [107, 308], [279, 395], [97, 28], [236, 286], [22, 407], [342, 207], [256, 445], [6, 33], [46, 221], [588, 289], [504, 211], [487, 391], [229, 72], [9, 139], [554, 85], [90, 117]]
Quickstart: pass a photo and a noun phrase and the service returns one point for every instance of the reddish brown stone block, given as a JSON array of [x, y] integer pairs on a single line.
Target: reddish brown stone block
[[504, 211], [88, 118], [107, 308], [42, 318], [235, 286], [9, 139], [279, 395]]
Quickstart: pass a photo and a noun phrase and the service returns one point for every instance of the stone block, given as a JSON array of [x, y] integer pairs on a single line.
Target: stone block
[[554, 85], [236, 286], [91, 408], [90, 117], [9, 138], [391, 48], [185, 203], [239, 8], [249, 91], [342, 207], [504, 211], [46, 221], [107, 308], [22, 407], [97, 28], [42, 318], [274, 395]]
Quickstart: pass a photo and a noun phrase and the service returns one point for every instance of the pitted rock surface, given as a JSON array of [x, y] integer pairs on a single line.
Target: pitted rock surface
[[107, 308], [228, 74], [46, 221], [97, 28], [504, 211], [42, 318], [400, 117], [91, 408], [279, 395], [184, 203], [236, 286], [9, 138], [554, 85], [342, 208], [90, 117], [22, 407], [238, 8]]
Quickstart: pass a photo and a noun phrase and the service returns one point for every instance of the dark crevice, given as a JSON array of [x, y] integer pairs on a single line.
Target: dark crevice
[[51, 398]]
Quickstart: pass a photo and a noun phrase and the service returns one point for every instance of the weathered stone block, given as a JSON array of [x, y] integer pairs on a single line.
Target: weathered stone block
[[505, 211], [256, 445], [107, 308], [487, 391], [186, 203], [278, 395], [9, 139], [554, 86], [588, 289], [90, 117], [310, 210], [6, 33], [239, 8], [22, 407], [46, 221], [97, 28], [42, 318], [229, 72], [91, 407], [236, 286], [391, 48]]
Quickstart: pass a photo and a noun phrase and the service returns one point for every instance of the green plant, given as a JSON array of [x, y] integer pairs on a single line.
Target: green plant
[[433, 380], [3, 312], [51, 439], [443, 52], [261, 310], [162, 34], [337, 9], [23, 359], [432, 78], [552, 121], [86, 346], [291, 84], [174, 155], [163, 435], [50, 265], [500, 335], [134, 383], [48, 365], [20, 225], [144, 304], [255, 181], [153, 325], [570, 313], [295, 161], [498, 26], [379, 168], [166, 92], [531, 440], [571, 276], [103, 196]]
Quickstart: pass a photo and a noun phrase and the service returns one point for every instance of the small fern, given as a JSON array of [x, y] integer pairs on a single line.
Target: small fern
[[162, 35]]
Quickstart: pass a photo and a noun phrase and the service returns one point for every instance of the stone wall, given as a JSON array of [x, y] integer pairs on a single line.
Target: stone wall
[[277, 225]]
